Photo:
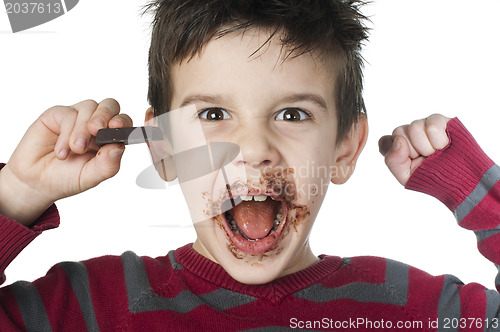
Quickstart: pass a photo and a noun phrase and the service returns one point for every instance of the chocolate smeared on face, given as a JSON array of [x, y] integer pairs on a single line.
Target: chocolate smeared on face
[[297, 215], [257, 215], [280, 181]]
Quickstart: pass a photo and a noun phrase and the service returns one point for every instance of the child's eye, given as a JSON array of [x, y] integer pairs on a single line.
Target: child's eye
[[293, 115], [214, 114]]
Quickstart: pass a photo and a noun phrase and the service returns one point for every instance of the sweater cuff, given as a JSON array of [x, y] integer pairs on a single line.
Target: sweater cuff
[[452, 173], [14, 237]]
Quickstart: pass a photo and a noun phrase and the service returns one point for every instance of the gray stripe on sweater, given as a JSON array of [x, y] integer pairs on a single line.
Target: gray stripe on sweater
[[449, 303], [393, 291], [175, 265], [142, 298], [31, 307], [78, 276], [489, 179], [485, 234]]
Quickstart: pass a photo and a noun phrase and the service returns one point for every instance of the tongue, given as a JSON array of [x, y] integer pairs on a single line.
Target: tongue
[[255, 219]]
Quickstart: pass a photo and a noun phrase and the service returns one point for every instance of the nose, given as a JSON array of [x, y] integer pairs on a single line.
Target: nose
[[258, 147]]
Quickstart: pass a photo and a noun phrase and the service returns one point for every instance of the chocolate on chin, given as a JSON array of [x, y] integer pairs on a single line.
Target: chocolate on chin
[[128, 135]]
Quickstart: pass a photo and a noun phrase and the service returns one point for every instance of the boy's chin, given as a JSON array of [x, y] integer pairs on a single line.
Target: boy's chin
[[251, 268], [254, 270]]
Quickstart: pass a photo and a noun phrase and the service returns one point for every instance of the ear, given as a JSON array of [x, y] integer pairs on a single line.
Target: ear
[[150, 113], [349, 150], [161, 152]]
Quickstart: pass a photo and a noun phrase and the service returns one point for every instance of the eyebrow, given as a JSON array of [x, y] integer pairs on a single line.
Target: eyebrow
[[210, 99], [308, 97], [288, 99]]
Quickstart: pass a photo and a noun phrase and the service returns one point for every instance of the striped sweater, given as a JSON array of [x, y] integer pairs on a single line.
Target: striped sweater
[[183, 291]]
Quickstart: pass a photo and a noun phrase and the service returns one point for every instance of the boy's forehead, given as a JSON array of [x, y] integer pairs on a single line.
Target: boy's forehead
[[251, 56]]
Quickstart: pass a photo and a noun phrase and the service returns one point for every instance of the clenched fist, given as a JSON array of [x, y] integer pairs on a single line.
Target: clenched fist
[[409, 145]]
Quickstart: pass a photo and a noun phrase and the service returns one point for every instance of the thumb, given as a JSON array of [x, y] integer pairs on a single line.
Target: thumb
[[397, 158], [102, 167]]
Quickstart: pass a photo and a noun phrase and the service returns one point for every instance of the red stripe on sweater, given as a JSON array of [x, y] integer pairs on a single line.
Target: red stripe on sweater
[[472, 302], [109, 293], [418, 297], [60, 301], [10, 316]]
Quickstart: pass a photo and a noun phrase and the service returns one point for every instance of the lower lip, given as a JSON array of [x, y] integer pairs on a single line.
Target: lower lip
[[258, 246]]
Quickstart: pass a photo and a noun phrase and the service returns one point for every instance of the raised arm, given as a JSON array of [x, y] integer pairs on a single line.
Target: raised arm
[[439, 157]]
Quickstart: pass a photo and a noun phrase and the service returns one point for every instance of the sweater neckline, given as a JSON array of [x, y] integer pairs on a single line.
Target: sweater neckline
[[275, 290]]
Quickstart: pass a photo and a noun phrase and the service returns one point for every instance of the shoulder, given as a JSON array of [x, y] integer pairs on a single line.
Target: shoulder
[[112, 273], [371, 279], [128, 264], [383, 280], [391, 273]]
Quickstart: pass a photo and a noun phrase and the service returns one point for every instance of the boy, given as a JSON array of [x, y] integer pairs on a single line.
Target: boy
[[291, 100]]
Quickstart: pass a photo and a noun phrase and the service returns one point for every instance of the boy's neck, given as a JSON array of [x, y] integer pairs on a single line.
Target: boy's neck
[[302, 260]]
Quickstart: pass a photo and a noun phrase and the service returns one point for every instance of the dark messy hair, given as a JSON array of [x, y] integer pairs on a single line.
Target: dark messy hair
[[332, 29]]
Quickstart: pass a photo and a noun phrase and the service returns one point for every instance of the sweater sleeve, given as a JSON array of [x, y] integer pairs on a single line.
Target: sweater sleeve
[[14, 237], [72, 296], [468, 183], [466, 180]]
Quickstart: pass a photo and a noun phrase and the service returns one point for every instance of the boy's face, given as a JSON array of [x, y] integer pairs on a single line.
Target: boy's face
[[282, 115]]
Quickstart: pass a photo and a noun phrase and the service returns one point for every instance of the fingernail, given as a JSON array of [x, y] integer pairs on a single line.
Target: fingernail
[[63, 153], [121, 121], [81, 143], [116, 153]]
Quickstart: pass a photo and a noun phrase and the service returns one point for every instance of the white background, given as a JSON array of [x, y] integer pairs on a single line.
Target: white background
[[424, 57]]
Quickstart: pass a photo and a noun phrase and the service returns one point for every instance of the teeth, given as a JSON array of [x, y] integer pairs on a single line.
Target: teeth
[[256, 198], [278, 219]]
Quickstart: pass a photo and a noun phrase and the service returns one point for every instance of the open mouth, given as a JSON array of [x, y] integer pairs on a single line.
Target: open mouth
[[255, 223]]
